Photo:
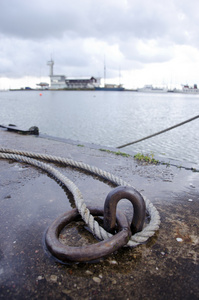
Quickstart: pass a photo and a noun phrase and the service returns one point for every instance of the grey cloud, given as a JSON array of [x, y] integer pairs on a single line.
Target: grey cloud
[[32, 31], [136, 50], [39, 19], [100, 19]]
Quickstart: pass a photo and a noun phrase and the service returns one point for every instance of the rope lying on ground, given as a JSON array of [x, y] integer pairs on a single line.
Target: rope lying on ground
[[97, 230]]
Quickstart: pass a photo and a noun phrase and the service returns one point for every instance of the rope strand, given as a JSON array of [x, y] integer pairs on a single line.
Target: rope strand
[[97, 230], [157, 133]]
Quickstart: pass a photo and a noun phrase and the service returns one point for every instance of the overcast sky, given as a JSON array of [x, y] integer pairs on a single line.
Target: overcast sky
[[146, 41]]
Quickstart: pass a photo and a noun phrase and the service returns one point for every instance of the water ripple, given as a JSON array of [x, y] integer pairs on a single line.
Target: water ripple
[[109, 118]]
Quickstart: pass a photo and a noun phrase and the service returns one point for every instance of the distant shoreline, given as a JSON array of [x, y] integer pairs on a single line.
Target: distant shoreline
[[92, 89], [68, 89]]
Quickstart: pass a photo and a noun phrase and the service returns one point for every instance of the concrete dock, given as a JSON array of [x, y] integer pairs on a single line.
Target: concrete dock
[[165, 267]]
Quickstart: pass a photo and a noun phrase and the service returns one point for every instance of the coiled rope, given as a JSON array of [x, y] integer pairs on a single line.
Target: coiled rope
[[27, 157]]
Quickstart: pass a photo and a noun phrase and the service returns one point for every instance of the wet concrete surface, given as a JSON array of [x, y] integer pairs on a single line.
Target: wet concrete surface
[[166, 267]]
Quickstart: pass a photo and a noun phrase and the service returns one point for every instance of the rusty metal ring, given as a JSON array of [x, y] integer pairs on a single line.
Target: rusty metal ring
[[139, 207], [86, 253]]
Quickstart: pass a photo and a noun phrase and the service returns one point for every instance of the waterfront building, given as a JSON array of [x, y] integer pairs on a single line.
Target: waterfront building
[[62, 82]]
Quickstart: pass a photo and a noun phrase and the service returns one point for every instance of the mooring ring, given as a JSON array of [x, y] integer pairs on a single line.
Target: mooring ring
[[139, 207], [66, 253]]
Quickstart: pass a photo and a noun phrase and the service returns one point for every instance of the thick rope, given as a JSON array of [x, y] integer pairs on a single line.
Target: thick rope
[[157, 133], [97, 230]]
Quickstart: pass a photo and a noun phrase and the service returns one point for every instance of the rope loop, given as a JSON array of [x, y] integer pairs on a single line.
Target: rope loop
[[32, 159]]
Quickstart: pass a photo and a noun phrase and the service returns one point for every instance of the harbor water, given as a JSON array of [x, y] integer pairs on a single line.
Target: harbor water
[[110, 119]]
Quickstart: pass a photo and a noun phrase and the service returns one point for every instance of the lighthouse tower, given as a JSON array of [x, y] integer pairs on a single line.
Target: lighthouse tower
[[51, 64], [56, 81]]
